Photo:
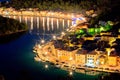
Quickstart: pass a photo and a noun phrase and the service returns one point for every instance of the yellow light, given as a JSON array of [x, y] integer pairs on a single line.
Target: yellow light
[[73, 16], [39, 46], [102, 62], [70, 73], [83, 18], [67, 29], [45, 53], [46, 66], [47, 59], [63, 33], [108, 51], [71, 58], [52, 13], [68, 15], [42, 41], [54, 37]]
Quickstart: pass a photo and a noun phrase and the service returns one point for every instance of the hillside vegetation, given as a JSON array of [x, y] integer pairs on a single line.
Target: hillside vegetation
[[8, 26]]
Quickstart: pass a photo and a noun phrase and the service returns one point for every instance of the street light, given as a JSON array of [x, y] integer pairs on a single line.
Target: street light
[[45, 53], [67, 29], [39, 46], [70, 58], [46, 66], [102, 62], [70, 73], [63, 33], [54, 37], [42, 41]]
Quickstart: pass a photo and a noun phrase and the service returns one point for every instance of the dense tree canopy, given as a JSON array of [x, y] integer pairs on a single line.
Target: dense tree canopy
[[64, 5], [8, 26]]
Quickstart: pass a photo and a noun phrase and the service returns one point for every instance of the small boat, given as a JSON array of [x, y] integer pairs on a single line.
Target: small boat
[[37, 59], [58, 65], [34, 51]]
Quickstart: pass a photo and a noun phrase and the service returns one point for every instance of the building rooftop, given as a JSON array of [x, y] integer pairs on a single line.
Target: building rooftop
[[102, 56], [81, 51], [92, 52]]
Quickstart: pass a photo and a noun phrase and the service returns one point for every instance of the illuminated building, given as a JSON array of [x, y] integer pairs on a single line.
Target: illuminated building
[[112, 60], [119, 36], [105, 33], [90, 12], [89, 38], [80, 57], [102, 60], [108, 38], [64, 55], [77, 21], [91, 59], [118, 61]]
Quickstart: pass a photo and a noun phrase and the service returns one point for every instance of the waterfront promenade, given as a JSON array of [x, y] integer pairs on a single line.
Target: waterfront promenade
[[45, 54], [32, 12]]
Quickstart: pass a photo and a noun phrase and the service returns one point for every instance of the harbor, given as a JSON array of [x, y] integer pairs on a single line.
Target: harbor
[[47, 52], [59, 40], [63, 65]]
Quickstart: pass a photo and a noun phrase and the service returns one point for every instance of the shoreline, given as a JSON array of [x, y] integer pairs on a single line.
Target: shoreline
[[20, 31], [11, 11], [37, 16], [40, 56], [37, 58], [10, 37]]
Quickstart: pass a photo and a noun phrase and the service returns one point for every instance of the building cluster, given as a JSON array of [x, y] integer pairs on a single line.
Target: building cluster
[[84, 58], [95, 58]]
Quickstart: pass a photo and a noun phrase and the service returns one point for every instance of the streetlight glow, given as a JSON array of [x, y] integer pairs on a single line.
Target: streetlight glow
[[71, 58], [45, 53], [63, 33], [70, 73], [54, 37], [39, 46], [67, 29], [46, 66], [42, 41]]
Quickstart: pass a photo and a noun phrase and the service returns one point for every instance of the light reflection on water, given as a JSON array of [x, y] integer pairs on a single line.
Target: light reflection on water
[[44, 23]]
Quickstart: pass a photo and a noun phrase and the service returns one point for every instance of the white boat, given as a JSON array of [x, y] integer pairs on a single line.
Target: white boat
[[34, 51], [58, 65], [37, 59]]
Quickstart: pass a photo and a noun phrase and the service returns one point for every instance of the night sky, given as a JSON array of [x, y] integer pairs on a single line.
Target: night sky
[[4, 0]]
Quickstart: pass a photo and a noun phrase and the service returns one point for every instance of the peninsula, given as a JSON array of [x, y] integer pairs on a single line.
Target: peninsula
[[10, 27]]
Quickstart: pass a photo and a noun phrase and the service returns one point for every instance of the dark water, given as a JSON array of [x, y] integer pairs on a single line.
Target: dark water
[[17, 59]]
